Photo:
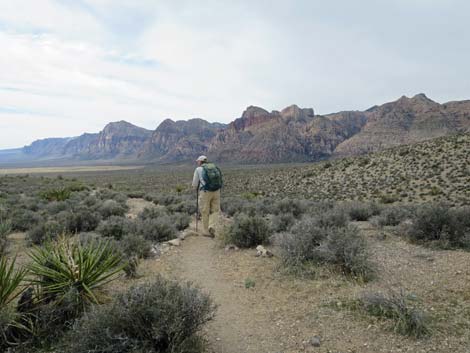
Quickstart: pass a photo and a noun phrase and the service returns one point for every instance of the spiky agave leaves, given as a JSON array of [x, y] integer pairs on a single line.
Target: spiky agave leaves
[[10, 288], [65, 266]]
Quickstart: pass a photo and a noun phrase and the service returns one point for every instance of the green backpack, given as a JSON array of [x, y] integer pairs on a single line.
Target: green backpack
[[212, 177]]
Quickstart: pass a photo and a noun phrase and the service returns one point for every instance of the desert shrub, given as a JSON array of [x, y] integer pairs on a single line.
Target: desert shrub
[[347, 249], [342, 247], [5, 229], [45, 231], [157, 229], [440, 225], [61, 194], [166, 199], [282, 222], [136, 194], [301, 245], [162, 316], [180, 220], [55, 207], [152, 213], [389, 198], [233, 205], [399, 307], [289, 205], [112, 208], [116, 227], [362, 211], [393, 216], [187, 206], [135, 245], [79, 220], [248, 231], [335, 217], [23, 220]]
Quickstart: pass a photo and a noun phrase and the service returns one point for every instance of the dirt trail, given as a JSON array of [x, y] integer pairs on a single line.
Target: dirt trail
[[237, 327]]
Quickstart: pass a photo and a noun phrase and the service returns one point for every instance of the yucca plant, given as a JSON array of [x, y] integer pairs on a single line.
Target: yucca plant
[[5, 229], [66, 266], [10, 288]]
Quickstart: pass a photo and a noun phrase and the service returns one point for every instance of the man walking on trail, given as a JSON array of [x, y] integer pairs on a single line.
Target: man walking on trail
[[208, 180]]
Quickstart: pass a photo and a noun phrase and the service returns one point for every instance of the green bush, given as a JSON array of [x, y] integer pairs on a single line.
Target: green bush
[[61, 194], [282, 222], [45, 231], [116, 227], [162, 316], [347, 249], [112, 208], [23, 220], [393, 216], [288, 205], [362, 211], [135, 245], [180, 220], [248, 231], [399, 307], [158, 229], [441, 225], [310, 244]]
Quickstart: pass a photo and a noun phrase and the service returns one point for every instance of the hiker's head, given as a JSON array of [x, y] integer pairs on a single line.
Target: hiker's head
[[201, 160]]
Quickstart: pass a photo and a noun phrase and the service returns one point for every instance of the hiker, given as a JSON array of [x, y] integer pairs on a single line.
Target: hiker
[[208, 181]]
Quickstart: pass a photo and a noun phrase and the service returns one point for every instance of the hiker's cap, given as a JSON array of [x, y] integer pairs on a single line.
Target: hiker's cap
[[201, 159]]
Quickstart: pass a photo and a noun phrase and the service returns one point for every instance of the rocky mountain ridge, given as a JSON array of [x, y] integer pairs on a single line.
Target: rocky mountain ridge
[[293, 134]]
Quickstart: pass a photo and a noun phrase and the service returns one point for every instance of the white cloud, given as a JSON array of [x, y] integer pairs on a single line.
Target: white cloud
[[70, 66]]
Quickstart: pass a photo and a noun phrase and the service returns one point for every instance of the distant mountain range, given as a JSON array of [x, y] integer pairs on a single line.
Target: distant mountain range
[[258, 136]]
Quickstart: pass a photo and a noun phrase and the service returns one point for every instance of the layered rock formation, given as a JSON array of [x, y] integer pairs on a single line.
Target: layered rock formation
[[291, 135]]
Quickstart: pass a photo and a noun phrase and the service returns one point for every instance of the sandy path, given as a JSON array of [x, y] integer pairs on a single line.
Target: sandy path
[[236, 328]]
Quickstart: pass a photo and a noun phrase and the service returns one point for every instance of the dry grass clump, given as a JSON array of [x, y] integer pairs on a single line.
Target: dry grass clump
[[399, 308]]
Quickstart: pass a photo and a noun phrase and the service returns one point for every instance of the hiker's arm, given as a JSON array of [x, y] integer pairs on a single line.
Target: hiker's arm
[[195, 179]]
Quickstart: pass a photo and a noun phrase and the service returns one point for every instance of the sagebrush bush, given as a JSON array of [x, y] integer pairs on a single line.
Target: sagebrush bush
[[112, 208], [441, 225], [393, 216], [81, 219], [347, 248], [153, 212], [342, 247], [399, 307], [135, 245], [23, 220], [233, 205], [45, 231], [181, 220], [289, 205], [248, 231], [335, 217], [162, 316], [282, 222], [362, 211], [116, 227], [157, 229]]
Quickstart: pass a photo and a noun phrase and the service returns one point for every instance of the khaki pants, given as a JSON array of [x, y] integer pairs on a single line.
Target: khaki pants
[[209, 203]]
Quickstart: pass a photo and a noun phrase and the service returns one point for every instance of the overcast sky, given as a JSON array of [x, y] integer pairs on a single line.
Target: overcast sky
[[71, 66]]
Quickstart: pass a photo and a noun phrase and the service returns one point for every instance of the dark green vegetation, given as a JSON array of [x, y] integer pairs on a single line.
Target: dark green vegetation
[[80, 241]]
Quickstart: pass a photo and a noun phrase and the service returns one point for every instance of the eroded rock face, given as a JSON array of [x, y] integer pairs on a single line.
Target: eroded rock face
[[179, 140], [405, 121], [293, 134]]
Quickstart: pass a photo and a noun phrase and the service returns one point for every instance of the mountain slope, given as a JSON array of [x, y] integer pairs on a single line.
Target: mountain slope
[[405, 121]]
